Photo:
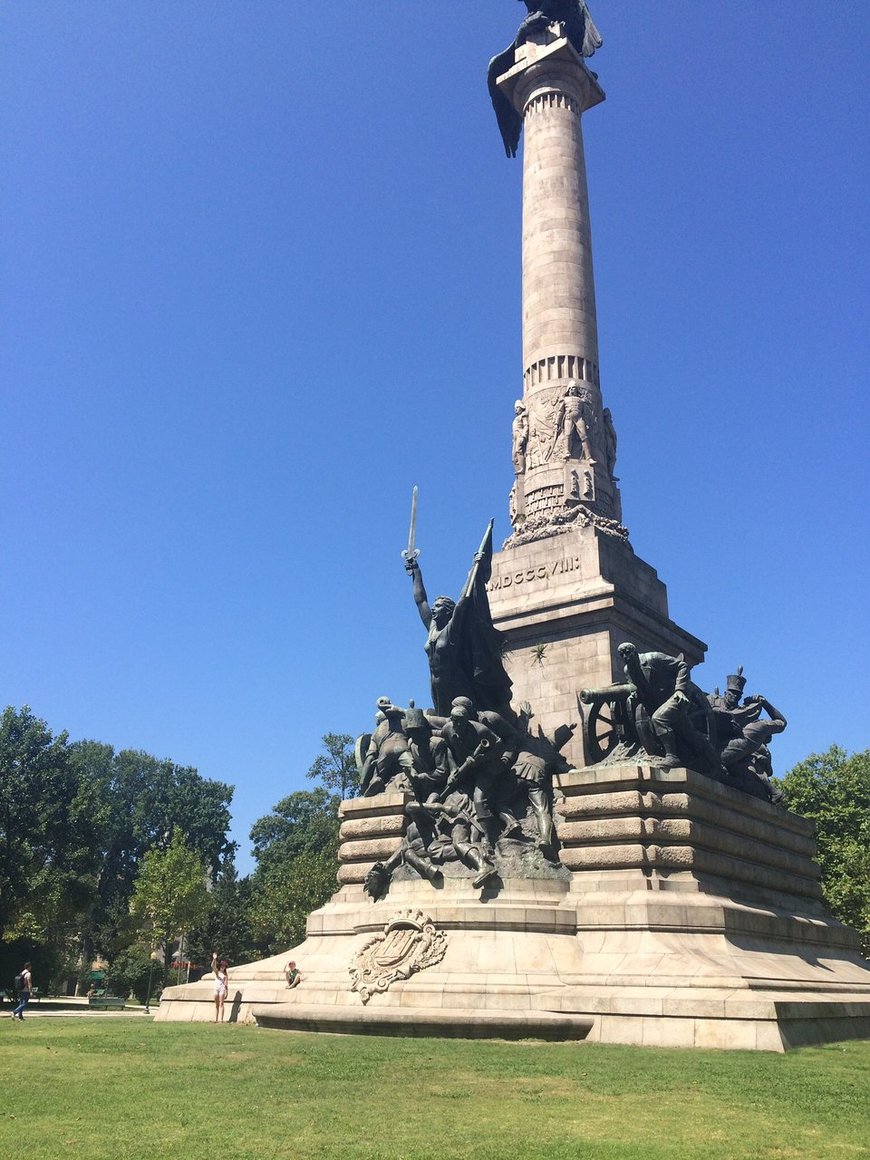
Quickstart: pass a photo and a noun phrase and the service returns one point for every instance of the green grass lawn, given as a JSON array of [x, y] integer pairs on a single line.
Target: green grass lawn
[[131, 1089]]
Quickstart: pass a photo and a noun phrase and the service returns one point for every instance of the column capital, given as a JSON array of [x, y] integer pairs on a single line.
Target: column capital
[[550, 63]]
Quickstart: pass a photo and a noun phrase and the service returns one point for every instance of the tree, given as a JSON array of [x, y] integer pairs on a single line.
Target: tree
[[833, 790], [337, 767], [286, 894], [48, 847], [139, 801], [170, 894], [227, 928], [296, 848], [303, 821], [132, 972]]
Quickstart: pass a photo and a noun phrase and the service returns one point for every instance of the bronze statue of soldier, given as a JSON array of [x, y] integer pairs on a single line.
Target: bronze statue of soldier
[[660, 685], [382, 761], [475, 752], [463, 646], [744, 737]]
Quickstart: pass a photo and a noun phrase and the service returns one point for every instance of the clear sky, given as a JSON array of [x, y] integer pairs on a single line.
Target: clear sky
[[261, 275]]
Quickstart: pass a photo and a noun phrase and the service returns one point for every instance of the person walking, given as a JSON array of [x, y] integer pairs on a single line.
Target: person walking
[[221, 986], [25, 990]]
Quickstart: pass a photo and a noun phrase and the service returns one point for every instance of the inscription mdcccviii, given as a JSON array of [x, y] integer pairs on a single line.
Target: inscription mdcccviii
[[543, 573]]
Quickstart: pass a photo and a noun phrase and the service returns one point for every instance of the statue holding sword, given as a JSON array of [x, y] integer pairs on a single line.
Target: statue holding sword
[[463, 646]]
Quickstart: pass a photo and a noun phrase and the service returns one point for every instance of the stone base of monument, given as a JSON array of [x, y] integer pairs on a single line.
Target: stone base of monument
[[687, 914]]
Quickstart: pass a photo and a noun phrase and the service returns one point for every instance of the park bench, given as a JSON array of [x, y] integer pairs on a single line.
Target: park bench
[[10, 996], [106, 1002]]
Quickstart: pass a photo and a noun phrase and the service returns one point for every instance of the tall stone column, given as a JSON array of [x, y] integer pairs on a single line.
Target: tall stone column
[[570, 447], [567, 589]]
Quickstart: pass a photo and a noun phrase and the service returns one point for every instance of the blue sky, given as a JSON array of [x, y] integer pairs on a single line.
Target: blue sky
[[261, 276]]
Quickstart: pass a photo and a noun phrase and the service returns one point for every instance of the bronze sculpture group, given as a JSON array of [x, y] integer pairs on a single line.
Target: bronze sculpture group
[[658, 714], [472, 778], [477, 776], [473, 768]]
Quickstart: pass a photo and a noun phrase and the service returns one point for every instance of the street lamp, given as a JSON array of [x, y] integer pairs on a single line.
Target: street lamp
[[150, 980]]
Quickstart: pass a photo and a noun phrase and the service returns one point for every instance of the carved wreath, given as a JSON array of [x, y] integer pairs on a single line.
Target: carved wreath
[[409, 943]]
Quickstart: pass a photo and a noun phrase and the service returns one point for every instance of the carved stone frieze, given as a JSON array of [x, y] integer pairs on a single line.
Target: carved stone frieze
[[409, 943], [542, 426], [540, 527]]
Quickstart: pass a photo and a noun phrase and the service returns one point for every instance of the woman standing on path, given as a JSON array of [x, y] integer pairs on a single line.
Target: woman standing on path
[[221, 986]]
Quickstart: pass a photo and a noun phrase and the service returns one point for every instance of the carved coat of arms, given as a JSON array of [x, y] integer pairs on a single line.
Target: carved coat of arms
[[409, 943]]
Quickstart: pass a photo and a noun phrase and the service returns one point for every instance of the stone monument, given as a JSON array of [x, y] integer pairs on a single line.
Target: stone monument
[[567, 589], [506, 873]]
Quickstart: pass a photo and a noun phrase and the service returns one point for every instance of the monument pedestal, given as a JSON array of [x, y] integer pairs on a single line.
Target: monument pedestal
[[564, 604], [685, 914], [701, 918]]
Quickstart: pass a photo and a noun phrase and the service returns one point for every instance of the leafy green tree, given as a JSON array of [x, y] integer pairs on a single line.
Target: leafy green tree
[[132, 971], [139, 801], [170, 894], [303, 821], [48, 846], [336, 768], [227, 928], [833, 790], [296, 848], [286, 894]]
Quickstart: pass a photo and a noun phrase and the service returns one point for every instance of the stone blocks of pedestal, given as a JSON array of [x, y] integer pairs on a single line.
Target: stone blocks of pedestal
[[700, 916], [506, 947], [677, 831], [505, 950], [371, 831], [691, 917], [564, 604]]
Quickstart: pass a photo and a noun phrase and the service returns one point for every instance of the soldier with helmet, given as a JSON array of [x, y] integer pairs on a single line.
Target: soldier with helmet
[[382, 760], [474, 753], [426, 761], [744, 737]]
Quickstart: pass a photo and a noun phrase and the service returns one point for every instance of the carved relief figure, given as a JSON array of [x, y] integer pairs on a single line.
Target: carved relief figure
[[538, 442], [573, 423], [588, 485], [541, 408], [609, 443], [520, 436]]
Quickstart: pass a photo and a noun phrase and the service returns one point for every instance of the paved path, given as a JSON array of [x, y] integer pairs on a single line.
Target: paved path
[[46, 1009]]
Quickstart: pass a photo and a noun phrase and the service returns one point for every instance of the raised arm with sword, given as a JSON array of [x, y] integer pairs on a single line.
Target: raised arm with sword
[[462, 645]]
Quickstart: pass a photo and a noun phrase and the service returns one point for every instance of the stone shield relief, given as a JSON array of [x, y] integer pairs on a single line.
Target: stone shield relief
[[408, 943]]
